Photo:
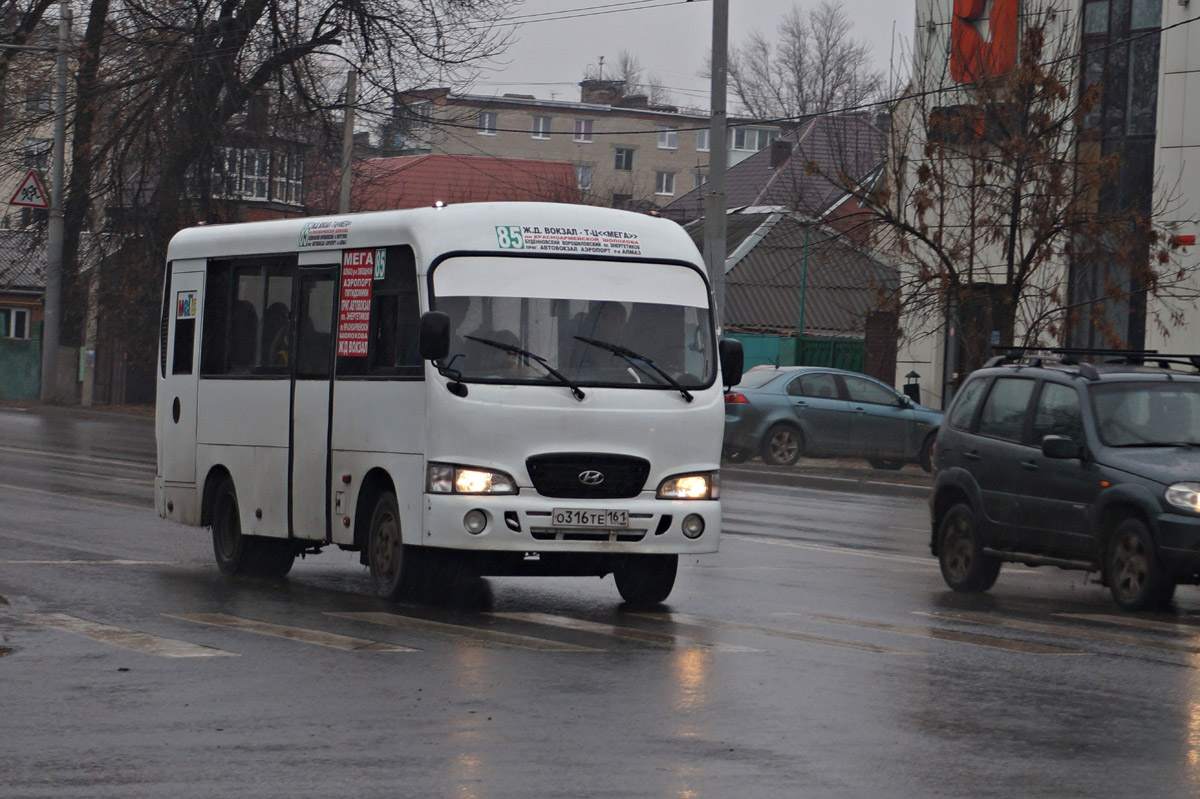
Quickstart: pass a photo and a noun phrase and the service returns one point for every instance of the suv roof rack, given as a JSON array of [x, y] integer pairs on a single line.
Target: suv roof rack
[[1073, 356]]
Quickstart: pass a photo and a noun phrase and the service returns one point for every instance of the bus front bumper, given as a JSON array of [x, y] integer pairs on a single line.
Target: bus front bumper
[[515, 523]]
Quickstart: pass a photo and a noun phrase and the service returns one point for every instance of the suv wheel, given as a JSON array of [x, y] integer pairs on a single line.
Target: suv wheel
[[960, 553], [1135, 577]]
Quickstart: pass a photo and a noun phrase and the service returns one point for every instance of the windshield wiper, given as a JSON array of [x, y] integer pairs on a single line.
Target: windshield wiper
[[562, 379], [635, 360]]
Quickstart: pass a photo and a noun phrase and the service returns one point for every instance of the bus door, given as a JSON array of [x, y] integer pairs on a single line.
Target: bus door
[[308, 468], [180, 348]]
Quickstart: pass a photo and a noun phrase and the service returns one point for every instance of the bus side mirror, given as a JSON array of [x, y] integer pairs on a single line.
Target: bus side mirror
[[435, 336], [732, 361]]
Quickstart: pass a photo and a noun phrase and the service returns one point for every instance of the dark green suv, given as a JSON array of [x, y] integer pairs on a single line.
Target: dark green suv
[[1050, 460]]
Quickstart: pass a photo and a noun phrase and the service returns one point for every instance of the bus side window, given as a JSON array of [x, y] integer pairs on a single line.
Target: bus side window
[[247, 317], [214, 350], [185, 343], [395, 322]]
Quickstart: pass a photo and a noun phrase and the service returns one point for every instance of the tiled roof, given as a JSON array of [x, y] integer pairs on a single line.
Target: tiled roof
[[420, 180], [22, 260], [772, 255], [837, 145]]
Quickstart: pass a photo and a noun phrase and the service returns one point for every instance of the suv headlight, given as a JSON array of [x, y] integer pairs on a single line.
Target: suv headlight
[[1185, 495], [702, 485], [446, 478]]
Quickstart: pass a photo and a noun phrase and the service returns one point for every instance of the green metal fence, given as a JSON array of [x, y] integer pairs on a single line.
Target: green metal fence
[[21, 367], [842, 353]]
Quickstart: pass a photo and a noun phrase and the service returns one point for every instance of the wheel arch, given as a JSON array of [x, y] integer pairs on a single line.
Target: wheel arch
[[375, 482], [207, 497]]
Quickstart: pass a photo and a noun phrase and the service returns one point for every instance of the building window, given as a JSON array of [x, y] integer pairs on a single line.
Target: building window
[[541, 127], [583, 130], [36, 154], [256, 174], [702, 140], [289, 169], [39, 98], [623, 161], [668, 138], [664, 182], [701, 179], [751, 139], [583, 177], [487, 123], [14, 323]]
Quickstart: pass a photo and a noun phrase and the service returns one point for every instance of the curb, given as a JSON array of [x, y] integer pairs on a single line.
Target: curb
[[824, 482]]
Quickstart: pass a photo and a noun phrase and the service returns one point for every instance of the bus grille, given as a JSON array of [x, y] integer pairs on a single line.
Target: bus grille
[[558, 475]]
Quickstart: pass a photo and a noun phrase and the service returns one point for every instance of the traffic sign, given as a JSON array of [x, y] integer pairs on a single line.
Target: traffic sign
[[30, 193]]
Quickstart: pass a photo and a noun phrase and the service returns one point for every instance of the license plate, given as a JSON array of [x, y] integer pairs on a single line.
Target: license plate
[[580, 517]]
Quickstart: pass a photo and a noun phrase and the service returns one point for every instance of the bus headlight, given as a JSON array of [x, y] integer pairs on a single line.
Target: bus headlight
[[702, 485], [446, 478], [1185, 495]]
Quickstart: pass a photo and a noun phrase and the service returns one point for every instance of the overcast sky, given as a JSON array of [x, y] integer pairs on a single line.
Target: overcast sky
[[669, 37]]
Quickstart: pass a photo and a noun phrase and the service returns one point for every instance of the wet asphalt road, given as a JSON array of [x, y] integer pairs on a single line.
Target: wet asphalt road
[[817, 655]]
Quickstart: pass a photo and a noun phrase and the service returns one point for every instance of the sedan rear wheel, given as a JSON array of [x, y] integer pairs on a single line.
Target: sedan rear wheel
[[782, 445]]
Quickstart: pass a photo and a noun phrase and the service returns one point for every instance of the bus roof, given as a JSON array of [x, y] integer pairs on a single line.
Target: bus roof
[[552, 228]]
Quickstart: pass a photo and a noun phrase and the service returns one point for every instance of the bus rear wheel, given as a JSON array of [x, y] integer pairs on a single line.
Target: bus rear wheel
[[244, 554], [391, 567], [646, 579]]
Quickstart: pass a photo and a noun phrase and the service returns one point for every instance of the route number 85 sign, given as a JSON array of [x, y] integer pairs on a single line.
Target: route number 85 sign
[[509, 237]]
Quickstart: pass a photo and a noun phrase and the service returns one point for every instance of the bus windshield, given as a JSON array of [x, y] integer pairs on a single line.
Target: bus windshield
[[651, 332]]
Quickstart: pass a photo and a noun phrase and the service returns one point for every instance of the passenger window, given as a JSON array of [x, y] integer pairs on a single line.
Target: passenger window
[[1005, 408], [395, 321], [314, 331], [860, 390], [965, 404], [819, 386], [1058, 413], [247, 317]]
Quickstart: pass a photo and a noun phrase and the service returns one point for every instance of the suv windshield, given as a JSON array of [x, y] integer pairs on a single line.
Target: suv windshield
[[1148, 413]]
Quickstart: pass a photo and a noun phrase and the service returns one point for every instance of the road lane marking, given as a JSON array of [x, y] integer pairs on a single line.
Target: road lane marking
[[332, 640], [645, 636], [941, 634], [84, 458], [86, 562], [108, 478], [1063, 629], [81, 497], [794, 521], [703, 621], [462, 631], [1185, 628], [124, 638]]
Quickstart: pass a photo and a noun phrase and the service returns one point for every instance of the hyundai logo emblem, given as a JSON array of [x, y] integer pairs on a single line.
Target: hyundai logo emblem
[[591, 477]]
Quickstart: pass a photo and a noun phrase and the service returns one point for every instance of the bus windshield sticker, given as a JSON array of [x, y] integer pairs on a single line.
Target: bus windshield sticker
[[185, 305], [325, 233], [354, 310], [380, 264], [536, 238]]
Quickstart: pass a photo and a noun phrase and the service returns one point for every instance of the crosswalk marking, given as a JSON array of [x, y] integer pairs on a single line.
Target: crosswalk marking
[[1062, 629], [702, 621], [126, 639], [645, 636], [940, 634], [462, 631], [317, 637]]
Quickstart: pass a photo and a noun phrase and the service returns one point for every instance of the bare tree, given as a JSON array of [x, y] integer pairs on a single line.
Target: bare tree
[[813, 66], [637, 81], [997, 190]]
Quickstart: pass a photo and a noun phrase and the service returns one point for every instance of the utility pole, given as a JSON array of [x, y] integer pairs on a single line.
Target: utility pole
[[715, 202], [347, 143], [54, 229]]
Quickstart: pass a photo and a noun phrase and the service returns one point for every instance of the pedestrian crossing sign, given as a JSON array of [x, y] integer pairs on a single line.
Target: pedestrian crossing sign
[[30, 193]]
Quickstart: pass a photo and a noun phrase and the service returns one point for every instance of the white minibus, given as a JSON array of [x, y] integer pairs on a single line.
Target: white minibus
[[492, 388]]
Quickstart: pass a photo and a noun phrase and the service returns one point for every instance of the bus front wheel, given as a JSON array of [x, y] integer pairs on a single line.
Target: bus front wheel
[[646, 579], [389, 564], [244, 554]]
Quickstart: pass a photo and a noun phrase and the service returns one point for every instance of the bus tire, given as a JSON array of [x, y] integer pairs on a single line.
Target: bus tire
[[646, 579], [244, 554], [390, 566]]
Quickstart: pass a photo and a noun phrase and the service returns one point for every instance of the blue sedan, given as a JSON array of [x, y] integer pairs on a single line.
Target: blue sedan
[[813, 411]]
